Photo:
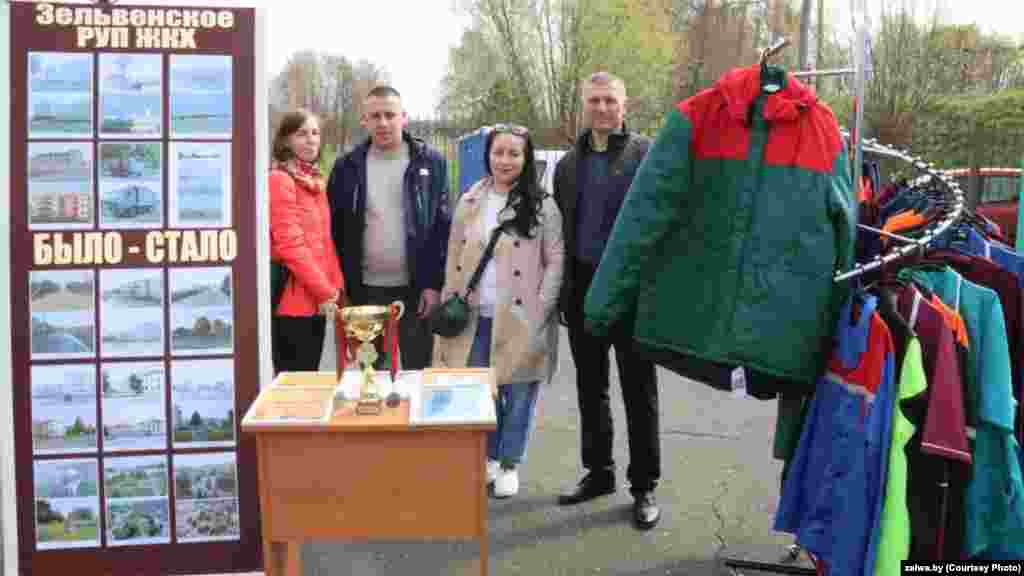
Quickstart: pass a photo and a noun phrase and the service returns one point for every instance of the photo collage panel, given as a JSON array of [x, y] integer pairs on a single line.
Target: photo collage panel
[[106, 169], [145, 365]]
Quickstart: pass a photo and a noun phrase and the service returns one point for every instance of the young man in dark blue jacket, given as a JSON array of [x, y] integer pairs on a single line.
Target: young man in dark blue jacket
[[390, 219]]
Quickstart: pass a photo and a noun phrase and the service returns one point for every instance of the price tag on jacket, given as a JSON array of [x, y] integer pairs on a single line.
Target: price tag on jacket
[[739, 382]]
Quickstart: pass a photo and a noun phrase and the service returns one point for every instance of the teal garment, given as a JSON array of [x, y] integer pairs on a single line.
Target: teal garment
[[995, 494]]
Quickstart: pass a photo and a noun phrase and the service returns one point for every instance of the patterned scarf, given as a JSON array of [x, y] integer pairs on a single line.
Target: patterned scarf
[[303, 172]]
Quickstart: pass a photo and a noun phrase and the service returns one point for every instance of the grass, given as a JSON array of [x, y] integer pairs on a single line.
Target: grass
[[54, 532]]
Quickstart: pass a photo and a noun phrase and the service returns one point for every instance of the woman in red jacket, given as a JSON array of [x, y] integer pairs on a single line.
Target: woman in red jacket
[[300, 239]]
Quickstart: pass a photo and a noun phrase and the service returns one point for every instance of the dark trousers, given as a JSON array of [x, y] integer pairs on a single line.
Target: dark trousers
[[416, 343], [639, 384], [298, 342]]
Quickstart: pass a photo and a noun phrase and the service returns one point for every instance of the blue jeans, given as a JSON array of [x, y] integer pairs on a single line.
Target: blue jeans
[[513, 405]]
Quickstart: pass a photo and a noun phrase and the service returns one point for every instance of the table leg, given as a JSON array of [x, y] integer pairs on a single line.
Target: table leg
[[282, 558], [294, 559]]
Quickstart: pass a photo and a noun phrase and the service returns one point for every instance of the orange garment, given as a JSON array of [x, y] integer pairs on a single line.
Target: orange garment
[[953, 320], [300, 238]]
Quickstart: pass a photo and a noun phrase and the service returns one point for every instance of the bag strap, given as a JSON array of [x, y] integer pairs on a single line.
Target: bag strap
[[484, 259]]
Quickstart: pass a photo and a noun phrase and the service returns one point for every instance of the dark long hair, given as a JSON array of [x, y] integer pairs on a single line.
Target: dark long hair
[[526, 196], [290, 124]]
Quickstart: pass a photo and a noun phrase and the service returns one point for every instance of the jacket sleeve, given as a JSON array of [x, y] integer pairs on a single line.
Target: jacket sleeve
[[553, 257], [339, 204], [650, 210], [454, 244], [289, 241], [437, 241], [842, 213]]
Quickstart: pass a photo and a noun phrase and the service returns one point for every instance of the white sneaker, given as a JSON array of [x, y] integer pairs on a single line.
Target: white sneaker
[[507, 484], [493, 467]]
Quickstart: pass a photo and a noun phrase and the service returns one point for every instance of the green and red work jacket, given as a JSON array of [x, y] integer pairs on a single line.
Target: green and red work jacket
[[729, 237]]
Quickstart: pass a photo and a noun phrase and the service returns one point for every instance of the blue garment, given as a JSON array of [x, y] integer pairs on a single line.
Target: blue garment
[[835, 487], [994, 498], [595, 197], [427, 210], [514, 405]]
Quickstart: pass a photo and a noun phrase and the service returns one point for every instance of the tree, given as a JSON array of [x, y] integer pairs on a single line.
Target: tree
[[196, 421]]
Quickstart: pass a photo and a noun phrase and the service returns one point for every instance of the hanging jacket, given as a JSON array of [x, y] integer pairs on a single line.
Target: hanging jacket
[[730, 234]]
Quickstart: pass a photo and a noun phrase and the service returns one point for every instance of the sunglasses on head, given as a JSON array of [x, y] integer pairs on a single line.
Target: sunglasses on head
[[514, 129]]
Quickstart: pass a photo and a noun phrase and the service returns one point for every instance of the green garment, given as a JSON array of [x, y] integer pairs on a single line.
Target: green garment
[[894, 535], [727, 241]]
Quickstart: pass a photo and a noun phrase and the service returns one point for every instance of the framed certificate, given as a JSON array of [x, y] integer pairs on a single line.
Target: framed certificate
[[453, 397]]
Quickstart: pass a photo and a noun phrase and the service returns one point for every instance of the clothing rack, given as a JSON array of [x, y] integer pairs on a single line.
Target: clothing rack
[[910, 246]]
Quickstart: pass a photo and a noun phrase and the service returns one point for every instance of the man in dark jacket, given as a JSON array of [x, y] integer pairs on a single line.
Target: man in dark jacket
[[591, 182], [390, 219]]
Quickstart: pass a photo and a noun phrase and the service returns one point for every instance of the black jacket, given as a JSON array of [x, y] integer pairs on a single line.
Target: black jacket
[[428, 215], [626, 150]]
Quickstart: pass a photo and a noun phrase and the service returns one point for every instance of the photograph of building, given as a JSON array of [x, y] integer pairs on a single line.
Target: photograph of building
[[203, 402], [131, 312], [63, 408], [136, 490], [133, 406], [60, 186]]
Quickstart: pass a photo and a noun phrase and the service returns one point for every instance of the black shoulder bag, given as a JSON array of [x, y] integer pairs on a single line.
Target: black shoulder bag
[[279, 274], [450, 318]]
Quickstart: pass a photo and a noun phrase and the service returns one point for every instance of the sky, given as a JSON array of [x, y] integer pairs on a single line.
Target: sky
[[411, 38]]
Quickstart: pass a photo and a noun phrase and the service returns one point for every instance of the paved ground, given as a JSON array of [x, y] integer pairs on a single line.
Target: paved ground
[[718, 493]]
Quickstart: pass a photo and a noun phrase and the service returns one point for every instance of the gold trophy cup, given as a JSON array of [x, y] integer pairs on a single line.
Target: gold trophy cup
[[365, 323]]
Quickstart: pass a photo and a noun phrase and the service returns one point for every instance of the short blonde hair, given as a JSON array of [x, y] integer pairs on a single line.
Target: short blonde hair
[[603, 78]]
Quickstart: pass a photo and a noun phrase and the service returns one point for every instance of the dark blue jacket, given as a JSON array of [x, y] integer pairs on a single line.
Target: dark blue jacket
[[428, 215]]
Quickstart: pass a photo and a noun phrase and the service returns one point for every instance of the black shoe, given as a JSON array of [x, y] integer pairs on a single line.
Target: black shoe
[[593, 485], [645, 511]]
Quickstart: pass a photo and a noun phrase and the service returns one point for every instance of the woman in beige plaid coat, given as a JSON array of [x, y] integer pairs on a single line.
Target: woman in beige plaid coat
[[514, 322]]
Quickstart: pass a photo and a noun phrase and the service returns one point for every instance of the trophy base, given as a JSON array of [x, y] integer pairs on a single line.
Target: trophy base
[[369, 406]]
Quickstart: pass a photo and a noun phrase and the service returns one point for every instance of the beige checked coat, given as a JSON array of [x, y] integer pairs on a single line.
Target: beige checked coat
[[524, 343]]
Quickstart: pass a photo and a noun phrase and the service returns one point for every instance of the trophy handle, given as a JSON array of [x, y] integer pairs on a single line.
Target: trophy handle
[[398, 309]]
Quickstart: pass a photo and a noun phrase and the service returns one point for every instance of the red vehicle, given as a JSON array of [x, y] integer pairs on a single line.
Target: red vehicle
[[998, 197]]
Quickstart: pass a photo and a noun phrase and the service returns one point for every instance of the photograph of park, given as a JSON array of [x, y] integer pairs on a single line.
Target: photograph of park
[[133, 406], [67, 523], [138, 521], [132, 312], [63, 408], [67, 503], [60, 185], [131, 185], [203, 401], [200, 185], [130, 95], [62, 304], [59, 95], [206, 497], [200, 96], [202, 314]]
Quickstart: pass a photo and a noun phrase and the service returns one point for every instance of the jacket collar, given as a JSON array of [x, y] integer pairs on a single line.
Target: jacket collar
[[417, 147], [616, 140], [740, 87]]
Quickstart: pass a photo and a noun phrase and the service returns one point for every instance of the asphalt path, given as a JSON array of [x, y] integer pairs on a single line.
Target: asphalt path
[[718, 494]]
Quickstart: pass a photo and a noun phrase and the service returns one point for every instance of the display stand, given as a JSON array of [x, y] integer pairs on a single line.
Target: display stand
[[909, 247], [327, 472]]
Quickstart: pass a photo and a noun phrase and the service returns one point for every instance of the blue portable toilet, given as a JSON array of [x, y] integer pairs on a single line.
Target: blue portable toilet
[[471, 158]]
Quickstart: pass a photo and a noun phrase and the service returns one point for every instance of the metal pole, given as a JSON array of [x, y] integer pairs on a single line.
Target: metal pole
[[859, 64]]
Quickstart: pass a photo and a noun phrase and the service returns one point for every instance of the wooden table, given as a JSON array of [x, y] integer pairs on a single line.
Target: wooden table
[[365, 476]]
